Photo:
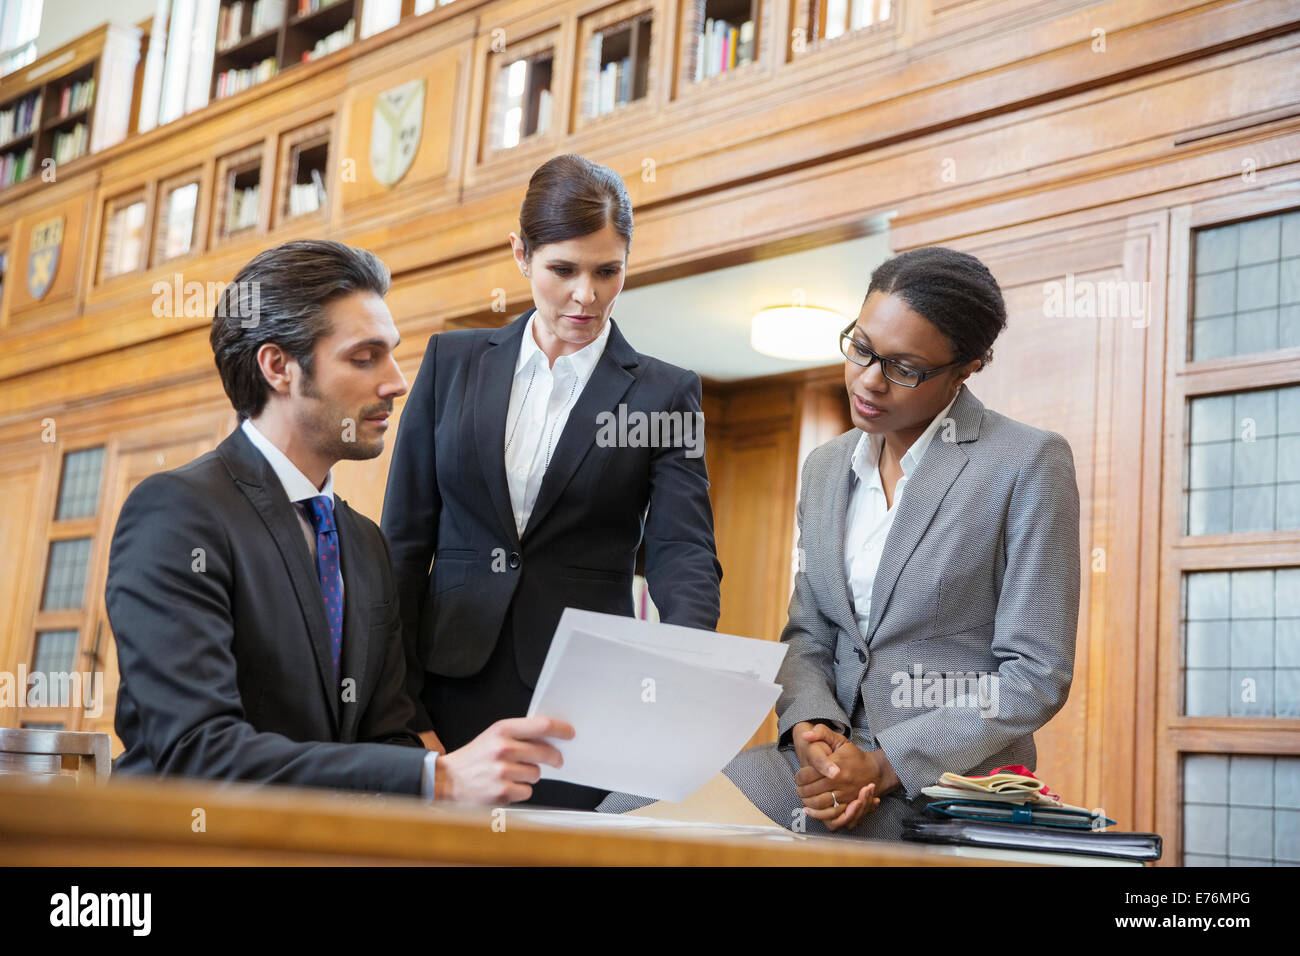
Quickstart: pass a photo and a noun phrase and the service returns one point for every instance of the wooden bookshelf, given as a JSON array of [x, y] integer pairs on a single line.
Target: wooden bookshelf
[[176, 219], [303, 171], [718, 38], [287, 33], [521, 112], [618, 70], [239, 198], [75, 100]]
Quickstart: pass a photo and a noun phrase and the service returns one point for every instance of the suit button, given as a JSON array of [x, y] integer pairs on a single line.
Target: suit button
[[861, 656], [513, 559]]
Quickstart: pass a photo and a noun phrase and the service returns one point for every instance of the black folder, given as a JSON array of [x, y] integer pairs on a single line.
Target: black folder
[[1016, 836]]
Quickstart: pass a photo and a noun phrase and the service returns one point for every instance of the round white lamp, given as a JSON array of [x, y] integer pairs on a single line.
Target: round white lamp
[[802, 333]]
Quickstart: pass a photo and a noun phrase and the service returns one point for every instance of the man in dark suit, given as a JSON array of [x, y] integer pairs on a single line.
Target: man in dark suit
[[255, 614]]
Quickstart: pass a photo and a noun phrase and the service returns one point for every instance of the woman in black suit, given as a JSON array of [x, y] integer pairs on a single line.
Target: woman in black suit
[[520, 473]]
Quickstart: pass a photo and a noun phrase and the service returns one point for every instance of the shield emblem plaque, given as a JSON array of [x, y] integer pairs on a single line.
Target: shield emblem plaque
[[43, 260], [395, 130]]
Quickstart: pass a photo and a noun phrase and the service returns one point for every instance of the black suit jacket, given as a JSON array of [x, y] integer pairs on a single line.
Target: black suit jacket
[[225, 652], [448, 502]]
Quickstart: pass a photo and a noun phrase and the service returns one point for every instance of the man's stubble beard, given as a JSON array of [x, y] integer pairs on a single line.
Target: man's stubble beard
[[325, 430]]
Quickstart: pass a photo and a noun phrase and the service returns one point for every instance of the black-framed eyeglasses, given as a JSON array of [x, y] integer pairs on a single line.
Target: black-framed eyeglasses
[[900, 373]]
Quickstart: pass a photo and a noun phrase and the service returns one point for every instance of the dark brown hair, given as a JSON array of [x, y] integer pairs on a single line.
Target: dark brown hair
[[569, 197], [280, 297]]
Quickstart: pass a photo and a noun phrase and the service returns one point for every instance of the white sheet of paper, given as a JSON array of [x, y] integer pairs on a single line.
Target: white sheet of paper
[[657, 709]]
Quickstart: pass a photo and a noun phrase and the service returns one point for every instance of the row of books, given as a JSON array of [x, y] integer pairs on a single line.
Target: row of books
[[242, 211], [267, 15], [544, 100], [15, 167], [76, 96], [615, 86], [19, 119], [231, 82], [721, 46], [307, 197], [71, 145], [331, 42], [311, 6]]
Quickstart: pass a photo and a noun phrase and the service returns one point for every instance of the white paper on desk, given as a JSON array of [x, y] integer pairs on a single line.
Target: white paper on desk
[[664, 739]]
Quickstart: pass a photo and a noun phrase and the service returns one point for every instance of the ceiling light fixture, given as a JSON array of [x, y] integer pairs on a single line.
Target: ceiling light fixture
[[802, 333]]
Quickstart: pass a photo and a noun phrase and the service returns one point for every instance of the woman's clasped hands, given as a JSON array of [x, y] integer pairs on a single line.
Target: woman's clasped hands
[[838, 782]]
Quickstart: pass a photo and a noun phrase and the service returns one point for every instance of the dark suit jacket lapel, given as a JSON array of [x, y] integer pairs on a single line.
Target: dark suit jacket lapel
[[942, 462], [257, 480], [491, 404], [609, 381], [356, 640]]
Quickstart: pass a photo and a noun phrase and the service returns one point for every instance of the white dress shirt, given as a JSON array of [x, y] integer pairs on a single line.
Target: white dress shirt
[[541, 398], [869, 518], [296, 485], [299, 488]]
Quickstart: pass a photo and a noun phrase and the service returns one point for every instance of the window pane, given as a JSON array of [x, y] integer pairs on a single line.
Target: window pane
[[79, 489], [55, 654], [619, 65], [1246, 294], [178, 220], [124, 239], [1242, 462], [65, 578], [1241, 810], [1241, 643]]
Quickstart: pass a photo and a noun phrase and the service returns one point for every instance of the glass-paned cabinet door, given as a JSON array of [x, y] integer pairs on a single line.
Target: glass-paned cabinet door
[[618, 68], [123, 239], [718, 36], [521, 95], [176, 228]]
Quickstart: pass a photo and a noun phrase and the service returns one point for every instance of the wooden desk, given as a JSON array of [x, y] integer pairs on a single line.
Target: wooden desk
[[154, 823]]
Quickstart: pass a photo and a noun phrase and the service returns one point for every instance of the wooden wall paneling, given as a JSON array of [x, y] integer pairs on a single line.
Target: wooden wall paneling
[[718, 167], [1147, 253], [1169, 697], [1108, 146], [754, 538], [437, 159], [62, 300], [27, 486]]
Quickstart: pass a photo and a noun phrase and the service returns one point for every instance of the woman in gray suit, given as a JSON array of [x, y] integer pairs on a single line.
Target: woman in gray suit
[[933, 618]]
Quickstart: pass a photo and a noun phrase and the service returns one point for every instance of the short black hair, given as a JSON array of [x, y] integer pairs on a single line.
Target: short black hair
[[954, 291], [280, 297]]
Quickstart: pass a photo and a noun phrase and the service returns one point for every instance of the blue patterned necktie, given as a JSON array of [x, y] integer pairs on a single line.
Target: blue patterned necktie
[[321, 511]]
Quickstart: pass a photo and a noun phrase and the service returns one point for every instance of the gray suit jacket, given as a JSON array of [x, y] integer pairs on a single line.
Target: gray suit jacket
[[979, 575]]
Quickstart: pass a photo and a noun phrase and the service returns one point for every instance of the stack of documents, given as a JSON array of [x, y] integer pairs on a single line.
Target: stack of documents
[[657, 709], [1012, 808], [1009, 793]]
